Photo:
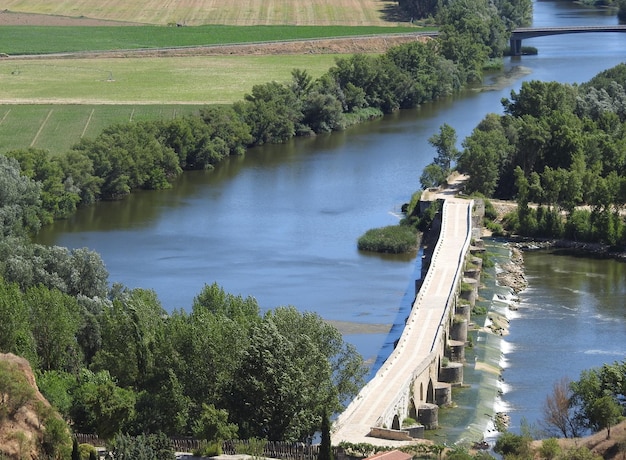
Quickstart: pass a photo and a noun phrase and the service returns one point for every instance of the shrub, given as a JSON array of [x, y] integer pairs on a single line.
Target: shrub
[[254, 447], [578, 453], [409, 421], [394, 239], [512, 444], [549, 448], [209, 449], [87, 451]]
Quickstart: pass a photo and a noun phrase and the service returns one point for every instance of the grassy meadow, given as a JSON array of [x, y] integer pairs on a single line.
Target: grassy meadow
[[57, 128], [51, 103]]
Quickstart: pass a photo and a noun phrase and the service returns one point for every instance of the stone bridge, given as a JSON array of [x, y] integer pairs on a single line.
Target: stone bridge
[[428, 358]]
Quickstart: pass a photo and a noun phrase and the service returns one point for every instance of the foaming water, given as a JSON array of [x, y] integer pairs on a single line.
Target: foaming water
[[476, 404]]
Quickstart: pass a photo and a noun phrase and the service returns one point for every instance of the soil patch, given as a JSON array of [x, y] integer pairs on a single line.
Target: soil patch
[[9, 18]]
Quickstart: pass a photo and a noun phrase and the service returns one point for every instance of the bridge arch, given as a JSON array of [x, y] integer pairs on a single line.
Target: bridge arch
[[412, 409], [395, 425], [430, 393]]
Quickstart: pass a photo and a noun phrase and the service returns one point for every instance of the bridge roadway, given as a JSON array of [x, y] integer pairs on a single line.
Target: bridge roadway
[[425, 326]]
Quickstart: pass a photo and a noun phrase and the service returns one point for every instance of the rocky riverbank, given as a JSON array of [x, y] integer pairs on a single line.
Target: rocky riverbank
[[512, 272]]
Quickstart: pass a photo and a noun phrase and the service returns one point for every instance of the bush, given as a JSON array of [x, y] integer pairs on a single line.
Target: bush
[[512, 444], [209, 449], [394, 239], [254, 447], [86, 451], [409, 421], [578, 453], [142, 447], [549, 448]]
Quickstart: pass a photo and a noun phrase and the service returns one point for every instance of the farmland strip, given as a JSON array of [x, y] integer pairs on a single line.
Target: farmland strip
[[41, 128], [87, 124], [5, 115]]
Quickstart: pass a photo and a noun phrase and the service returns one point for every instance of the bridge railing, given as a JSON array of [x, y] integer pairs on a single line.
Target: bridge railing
[[433, 354], [426, 361]]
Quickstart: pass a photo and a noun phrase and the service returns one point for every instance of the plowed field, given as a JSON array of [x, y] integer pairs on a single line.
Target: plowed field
[[199, 12]]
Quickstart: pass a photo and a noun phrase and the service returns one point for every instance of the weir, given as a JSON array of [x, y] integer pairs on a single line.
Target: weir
[[428, 358]]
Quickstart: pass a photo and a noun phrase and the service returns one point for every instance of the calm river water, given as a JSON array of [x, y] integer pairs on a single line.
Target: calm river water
[[281, 224]]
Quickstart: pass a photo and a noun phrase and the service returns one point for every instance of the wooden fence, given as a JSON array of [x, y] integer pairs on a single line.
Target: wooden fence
[[279, 450]]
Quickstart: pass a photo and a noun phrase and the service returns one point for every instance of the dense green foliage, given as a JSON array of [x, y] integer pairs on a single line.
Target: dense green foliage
[[50, 39], [142, 447], [118, 363], [499, 15], [149, 155], [393, 239], [594, 400], [559, 150], [438, 171]]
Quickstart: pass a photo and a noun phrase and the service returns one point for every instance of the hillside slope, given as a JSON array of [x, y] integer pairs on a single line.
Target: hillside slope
[[28, 424]]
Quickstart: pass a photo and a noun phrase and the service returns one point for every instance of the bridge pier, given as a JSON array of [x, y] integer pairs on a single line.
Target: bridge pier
[[516, 47], [428, 359]]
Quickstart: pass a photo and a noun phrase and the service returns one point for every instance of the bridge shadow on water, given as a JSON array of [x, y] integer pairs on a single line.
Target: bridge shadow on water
[[404, 311]]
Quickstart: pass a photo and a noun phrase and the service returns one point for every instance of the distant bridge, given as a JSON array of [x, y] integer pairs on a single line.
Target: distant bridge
[[522, 33]]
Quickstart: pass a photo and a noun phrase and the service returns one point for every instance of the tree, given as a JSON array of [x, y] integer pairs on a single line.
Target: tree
[[75, 449], [483, 155], [101, 406], [58, 198], [325, 452], [132, 326], [20, 201], [273, 395], [267, 390], [213, 426], [432, 176], [557, 415], [594, 395], [272, 111], [15, 333], [54, 323], [445, 144], [605, 412]]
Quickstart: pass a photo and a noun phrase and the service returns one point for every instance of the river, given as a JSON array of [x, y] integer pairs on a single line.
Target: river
[[281, 223]]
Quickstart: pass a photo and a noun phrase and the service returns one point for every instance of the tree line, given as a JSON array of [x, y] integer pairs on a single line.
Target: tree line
[[559, 150], [118, 363], [149, 155]]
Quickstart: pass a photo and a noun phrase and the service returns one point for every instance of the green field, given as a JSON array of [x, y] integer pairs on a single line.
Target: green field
[[182, 80], [82, 96], [58, 127], [44, 40]]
